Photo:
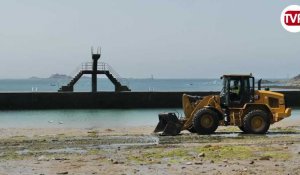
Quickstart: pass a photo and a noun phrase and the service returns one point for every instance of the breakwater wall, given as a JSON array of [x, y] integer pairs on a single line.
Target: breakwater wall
[[106, 100]]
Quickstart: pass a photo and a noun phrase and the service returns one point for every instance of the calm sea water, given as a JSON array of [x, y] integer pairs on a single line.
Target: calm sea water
[[80, 118], [89, 118], [97, 118], [84, 85]]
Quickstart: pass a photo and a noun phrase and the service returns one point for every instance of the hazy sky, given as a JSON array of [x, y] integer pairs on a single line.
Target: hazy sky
[[166, 38]]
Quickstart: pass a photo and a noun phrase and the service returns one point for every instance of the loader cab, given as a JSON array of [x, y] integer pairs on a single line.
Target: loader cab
[[237, 90]]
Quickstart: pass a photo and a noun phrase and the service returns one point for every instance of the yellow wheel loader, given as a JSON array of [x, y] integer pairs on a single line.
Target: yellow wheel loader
[[238, 104]]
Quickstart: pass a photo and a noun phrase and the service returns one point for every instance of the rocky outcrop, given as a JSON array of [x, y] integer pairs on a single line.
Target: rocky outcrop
[[295, 81]]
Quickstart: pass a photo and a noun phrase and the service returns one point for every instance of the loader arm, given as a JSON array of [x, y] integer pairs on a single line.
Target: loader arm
[[189, 110], [187, 106]]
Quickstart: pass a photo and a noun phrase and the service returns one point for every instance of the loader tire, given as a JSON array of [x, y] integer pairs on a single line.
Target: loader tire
[[192, 130], [205, 121], [242, 128], [256, 122]]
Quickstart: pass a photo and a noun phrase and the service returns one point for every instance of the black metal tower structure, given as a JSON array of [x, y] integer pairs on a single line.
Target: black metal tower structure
[[95, 57], [94, 69]]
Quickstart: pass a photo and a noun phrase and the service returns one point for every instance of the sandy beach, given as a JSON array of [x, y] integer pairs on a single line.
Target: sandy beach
[[137, 150]]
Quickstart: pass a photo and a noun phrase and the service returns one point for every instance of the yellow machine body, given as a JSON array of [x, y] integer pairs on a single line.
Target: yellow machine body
[[238, 104], [270, 101]]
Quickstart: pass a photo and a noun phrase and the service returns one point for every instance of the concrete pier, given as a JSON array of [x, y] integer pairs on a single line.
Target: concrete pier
[[106, 100]]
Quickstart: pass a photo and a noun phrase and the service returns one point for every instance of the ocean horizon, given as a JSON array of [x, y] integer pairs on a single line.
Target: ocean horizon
[[104, 84]]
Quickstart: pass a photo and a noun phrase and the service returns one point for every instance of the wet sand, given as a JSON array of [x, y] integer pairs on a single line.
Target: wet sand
[[137, 150]]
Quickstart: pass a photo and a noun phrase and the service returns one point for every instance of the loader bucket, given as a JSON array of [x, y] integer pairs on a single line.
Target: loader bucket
[[168, 124]]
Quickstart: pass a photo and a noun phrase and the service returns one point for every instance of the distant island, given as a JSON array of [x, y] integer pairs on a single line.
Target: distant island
[[59, 76], [54, 76]]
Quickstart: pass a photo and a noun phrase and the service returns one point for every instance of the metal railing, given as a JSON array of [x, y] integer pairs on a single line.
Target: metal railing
[[102, 67]]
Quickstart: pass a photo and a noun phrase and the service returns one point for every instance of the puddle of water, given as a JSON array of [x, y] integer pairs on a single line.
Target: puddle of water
[[23, 152], [111, 140], [195, 138], [124, 145], [126, 141], [67, 150], [63, 150]]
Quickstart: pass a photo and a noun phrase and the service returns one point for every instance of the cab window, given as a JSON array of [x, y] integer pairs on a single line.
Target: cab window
[[235, 89]]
